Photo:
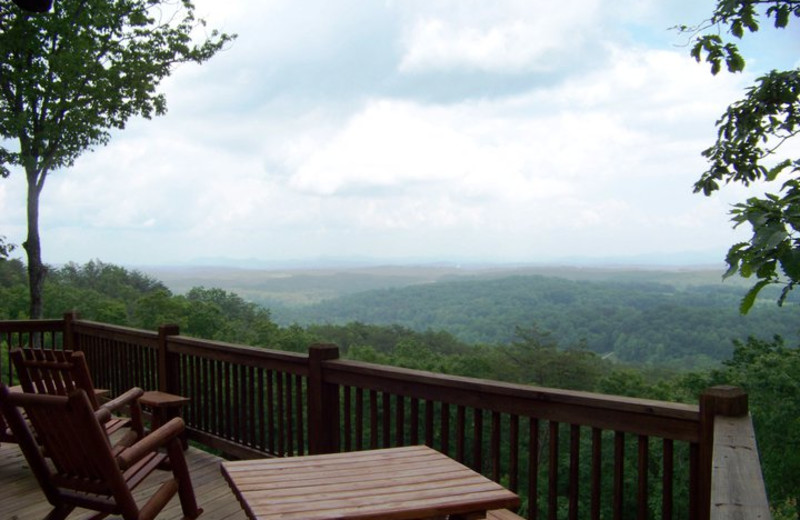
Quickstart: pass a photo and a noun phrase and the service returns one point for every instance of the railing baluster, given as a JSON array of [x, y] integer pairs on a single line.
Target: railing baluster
[[197, 404], [494, 442], [597, 454], [694, 464], [271, 423], [444, 428], [477, 440], [414, 421], [280, 415], [359, 419], [261, 412], [429, 423], [238, 404], [574, 469], [289, 394], [643, 464], [619, 473], [399, 421], [300, 423], [552, 472], [386, 419], [347, 419], [373, 419], [219, 393], [533, 469], [666, 480], [461, 432], [251, 415], [513, 453]]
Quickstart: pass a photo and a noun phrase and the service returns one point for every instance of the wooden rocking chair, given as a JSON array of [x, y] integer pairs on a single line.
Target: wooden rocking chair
[[82, 470], [58, 372]]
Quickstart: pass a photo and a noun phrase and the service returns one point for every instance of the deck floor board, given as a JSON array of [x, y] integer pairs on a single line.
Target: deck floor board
[[21, 498]]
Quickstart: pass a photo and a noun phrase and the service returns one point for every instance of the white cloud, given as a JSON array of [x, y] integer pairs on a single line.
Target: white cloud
[[259, 156], [477, 36]]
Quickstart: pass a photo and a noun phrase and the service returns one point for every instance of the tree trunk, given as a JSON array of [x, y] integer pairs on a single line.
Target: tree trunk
[[33, 247]]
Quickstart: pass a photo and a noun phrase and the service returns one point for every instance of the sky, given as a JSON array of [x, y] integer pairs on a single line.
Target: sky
[[413, 131]]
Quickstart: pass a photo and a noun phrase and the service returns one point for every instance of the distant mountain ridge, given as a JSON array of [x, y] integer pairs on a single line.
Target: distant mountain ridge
[[640, 321], [303, 286]]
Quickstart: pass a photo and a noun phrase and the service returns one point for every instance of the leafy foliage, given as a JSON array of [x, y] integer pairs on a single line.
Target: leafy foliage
[[749, 136], [5, 248]]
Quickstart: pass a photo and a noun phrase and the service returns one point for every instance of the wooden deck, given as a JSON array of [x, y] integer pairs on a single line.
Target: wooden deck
[[21, 498]]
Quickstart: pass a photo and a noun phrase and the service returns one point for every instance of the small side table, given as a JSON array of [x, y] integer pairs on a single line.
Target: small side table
[[164, 407]]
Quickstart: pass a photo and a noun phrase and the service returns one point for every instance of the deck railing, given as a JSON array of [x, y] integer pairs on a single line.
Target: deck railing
[[568, 454]]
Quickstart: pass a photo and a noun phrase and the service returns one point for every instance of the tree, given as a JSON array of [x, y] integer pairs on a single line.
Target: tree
[[70, 76], [750, 140]]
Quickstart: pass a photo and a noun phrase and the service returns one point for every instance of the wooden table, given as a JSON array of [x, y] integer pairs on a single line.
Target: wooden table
[[397, 483], [164, 407]]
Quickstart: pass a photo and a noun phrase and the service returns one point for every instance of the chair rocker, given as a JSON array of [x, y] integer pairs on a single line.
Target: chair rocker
[[82, 470], [5, 431]]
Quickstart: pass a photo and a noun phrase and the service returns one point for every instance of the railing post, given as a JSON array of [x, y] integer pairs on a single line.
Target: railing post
[[167, 374], [69, 330], [323, 402], [723, 400]]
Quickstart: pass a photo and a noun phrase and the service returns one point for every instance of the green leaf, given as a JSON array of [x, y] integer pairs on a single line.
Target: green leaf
[[733, 258], [773, 172], [750, 298], [785, 293], [775, 238], [790, 264], [736, 29], [782, 17]]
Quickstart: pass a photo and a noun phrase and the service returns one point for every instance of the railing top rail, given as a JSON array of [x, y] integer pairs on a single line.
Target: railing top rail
[[737, 489], [31, 325], [239, 354], [642, 416], [116, 332]]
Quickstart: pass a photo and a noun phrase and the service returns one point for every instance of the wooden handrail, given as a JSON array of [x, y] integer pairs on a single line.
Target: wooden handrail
[[251, 401], [631, 415], [737, 488]]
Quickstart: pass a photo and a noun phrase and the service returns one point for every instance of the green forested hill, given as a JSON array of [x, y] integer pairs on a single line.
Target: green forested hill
[[636, 321]]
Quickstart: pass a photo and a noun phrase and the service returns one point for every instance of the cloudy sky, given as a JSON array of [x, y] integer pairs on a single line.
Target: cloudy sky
[[415, 130]]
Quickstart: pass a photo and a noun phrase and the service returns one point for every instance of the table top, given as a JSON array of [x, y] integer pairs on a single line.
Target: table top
[[394, 483], [158, 399]]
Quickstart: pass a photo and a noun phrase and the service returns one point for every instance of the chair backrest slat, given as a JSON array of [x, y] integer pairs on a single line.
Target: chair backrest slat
[[54, 372]]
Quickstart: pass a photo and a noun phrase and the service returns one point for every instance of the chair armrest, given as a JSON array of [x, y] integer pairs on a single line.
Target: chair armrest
[[102, 415], [151, 442], [123, 400]]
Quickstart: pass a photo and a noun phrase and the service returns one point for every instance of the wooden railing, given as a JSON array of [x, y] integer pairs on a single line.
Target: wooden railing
[[568, 454]]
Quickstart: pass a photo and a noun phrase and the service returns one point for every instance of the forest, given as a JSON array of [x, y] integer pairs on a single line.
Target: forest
[[757, 357], [634, 321]]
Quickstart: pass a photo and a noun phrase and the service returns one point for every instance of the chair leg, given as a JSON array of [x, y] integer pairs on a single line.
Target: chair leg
[[60, 512], [181, 472]]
